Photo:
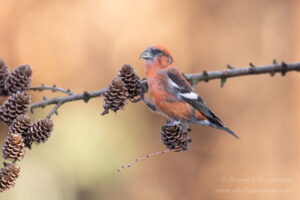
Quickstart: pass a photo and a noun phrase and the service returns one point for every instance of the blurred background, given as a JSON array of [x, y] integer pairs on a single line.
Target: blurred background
[[81, 45]]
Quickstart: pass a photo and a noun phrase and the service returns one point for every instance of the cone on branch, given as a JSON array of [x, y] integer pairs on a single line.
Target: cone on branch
[[4, 72], [8, 176], [19, 80], [21, 125], [115, 96], [13, 148], [40, 131], [131, 81], [175, 137], [15, 105]]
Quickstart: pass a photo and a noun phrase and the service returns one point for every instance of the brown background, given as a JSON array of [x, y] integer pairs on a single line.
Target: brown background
[[81, 45]]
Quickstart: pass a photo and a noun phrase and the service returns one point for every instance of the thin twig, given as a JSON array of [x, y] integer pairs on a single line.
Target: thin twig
[[143, 158], [53, 88], [54, 110]]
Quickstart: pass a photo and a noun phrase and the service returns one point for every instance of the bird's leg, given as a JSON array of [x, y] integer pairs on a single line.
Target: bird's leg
[[136, 100], [142, 97], [186, 126], [150, 105]]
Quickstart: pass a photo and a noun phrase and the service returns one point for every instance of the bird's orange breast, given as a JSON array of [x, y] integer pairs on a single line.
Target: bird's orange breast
[[167, 103]]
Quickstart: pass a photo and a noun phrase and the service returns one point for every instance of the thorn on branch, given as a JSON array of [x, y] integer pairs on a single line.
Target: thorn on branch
[[252, 68], [284, 66], [205, 76], [252, 65], [40, 89], [54, 89], [86, 96], [272, 73], [230, 66], [223, 80]]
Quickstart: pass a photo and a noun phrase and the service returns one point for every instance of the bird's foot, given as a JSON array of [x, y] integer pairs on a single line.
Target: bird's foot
[[174, 123]]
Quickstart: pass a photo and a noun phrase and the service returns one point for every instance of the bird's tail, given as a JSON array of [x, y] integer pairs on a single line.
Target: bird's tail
[[228, 131]]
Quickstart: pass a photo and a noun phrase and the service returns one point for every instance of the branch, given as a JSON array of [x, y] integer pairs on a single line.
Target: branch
[[282, 68]]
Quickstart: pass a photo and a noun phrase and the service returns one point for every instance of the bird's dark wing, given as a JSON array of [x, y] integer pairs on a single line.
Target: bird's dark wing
[[182, 89]]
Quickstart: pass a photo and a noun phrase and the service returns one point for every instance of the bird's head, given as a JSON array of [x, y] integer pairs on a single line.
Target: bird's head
[[158, 56]]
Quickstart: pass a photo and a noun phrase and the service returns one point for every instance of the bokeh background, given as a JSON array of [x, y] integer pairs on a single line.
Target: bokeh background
[[82, 44]]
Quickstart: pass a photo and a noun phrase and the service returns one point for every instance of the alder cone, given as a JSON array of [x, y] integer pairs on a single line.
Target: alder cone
[[131, 81], [115, 96], [21, 125], [175, 137], [15, 105], [13, 148], [4, 72], [8, 176], [19, 80], [40, 131]]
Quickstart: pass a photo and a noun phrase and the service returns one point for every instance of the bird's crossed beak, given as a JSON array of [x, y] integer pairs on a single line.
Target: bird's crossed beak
[[146, 55]]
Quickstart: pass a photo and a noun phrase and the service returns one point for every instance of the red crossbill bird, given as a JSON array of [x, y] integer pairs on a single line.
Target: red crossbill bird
[[172, 95]]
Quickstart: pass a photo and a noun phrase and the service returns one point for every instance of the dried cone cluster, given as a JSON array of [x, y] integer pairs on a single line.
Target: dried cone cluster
[[115, 96], [13, 112], [8, 176], [15, 105], [18, 80], [126, 86], [131, 81], [13, 148], [175, 137]]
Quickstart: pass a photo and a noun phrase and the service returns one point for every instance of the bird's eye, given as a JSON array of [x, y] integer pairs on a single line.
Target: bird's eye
[[156, 51]]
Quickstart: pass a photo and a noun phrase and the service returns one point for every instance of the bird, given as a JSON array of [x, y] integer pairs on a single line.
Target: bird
[[172, 95]]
